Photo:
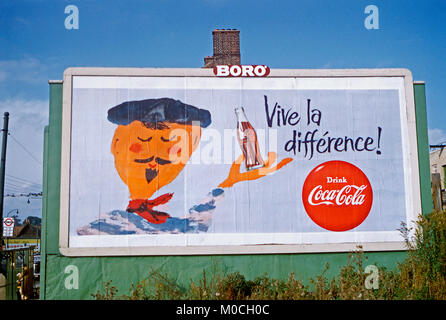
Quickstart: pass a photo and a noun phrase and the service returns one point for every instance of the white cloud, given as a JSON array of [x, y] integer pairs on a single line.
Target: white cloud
[[29, 70], [30, 113], [436, 136]]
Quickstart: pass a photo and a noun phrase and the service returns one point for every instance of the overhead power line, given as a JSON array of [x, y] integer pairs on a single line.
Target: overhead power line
[[12, 187], [26, 150], [22, 180], [17, 190], [16, 187], [22, 185], [16, 194]]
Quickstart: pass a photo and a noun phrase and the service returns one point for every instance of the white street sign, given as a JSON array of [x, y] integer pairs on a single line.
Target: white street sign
[[8, 227]]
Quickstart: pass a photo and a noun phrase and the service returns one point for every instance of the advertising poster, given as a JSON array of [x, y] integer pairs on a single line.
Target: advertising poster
[[207, 162]]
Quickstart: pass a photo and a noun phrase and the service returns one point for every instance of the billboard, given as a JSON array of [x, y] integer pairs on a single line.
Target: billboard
[[179, 161]]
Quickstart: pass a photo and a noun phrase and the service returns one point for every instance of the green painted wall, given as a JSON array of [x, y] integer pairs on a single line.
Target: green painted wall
[[423, 148], [60, 273], [51, 184], [93, 272]]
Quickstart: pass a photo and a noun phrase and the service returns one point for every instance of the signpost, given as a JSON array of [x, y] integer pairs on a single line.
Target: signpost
[[8, 227], [3, 163]]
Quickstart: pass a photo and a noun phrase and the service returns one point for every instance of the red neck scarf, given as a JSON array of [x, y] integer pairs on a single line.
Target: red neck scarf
[[144, 208]]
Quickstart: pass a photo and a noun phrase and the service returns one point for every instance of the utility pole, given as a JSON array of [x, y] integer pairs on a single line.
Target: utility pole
[[2, 172]]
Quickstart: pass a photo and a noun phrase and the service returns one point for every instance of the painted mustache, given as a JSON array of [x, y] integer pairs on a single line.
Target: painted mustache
[[160, 161]]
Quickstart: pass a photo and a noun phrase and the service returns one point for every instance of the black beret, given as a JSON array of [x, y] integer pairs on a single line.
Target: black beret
[[158, 110]]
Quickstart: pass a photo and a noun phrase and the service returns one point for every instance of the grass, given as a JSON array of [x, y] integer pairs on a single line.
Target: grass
[[421, 276]]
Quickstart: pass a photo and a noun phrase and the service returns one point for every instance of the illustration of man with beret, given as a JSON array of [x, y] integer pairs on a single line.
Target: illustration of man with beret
[[151, 145]]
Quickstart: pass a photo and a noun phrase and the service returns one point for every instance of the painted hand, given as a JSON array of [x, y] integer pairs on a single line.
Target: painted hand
[[236, 176]]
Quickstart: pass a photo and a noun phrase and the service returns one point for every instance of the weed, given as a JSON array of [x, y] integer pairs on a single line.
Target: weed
[[422, 275], [109, 292]]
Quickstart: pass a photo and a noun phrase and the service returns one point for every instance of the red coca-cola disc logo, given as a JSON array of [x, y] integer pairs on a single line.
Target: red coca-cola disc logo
[[337, 195]]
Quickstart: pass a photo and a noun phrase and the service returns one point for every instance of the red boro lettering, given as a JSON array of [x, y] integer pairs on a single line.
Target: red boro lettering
[[241, 70], [337, 196]]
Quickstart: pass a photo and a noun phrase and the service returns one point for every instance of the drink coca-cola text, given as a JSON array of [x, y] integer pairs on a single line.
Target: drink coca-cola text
[[339, 197]]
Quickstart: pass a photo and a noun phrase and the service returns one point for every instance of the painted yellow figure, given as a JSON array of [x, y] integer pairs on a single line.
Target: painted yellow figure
[[149, 158], [153, 142]]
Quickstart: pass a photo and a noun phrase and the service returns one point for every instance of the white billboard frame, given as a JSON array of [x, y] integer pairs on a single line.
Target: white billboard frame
[[411, 166]]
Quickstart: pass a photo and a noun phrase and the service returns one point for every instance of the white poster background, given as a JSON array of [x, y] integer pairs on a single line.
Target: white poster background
[[266, 211]]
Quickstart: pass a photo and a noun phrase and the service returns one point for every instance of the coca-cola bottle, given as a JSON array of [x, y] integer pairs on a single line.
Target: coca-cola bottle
[[247, 139]]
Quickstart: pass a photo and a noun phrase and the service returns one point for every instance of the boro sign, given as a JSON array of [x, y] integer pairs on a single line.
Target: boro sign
[[241, 70]]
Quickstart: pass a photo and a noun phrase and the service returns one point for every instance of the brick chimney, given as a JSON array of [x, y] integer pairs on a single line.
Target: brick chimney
[[226, 48]]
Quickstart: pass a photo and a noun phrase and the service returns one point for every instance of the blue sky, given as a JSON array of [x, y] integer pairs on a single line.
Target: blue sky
[[35, 46]]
